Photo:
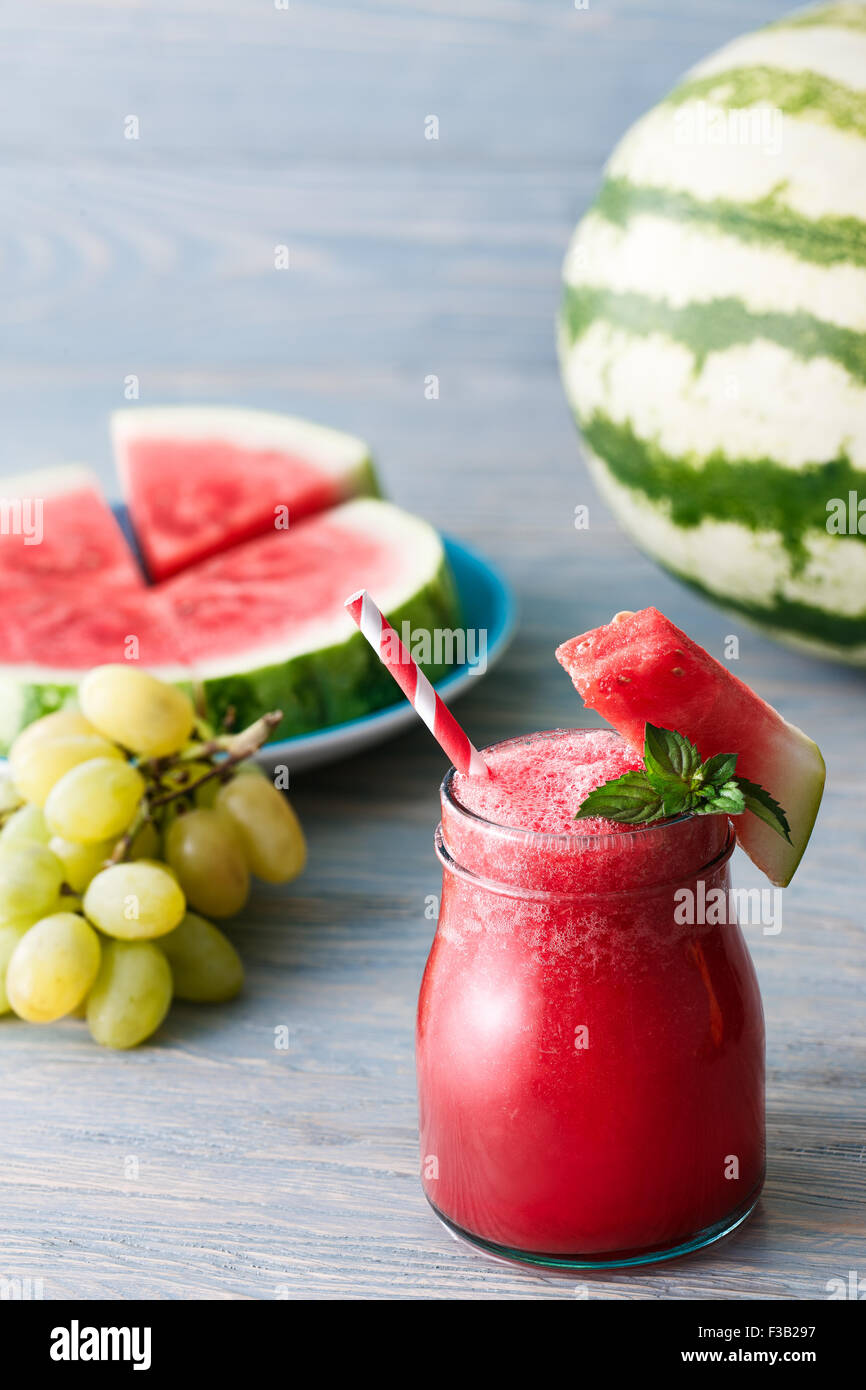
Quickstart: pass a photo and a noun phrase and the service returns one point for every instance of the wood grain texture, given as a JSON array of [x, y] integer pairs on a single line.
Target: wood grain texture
[[211, 1164]]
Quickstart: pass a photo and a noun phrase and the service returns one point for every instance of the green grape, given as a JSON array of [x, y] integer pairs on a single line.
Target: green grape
[[10, 934], [27, 823], [30, 879], [204, 852], [145, 843], [249, 768], [131, 995], [44, 765], [96, 800], [205, 966], [135, 901], [9, 794], [206, 794], [80, 862], [52, 967], [51, 726], [136, 710], [267, 827], [64, 902]]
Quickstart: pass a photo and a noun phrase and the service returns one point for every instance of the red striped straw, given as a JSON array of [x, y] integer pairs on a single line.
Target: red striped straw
[[415, 686]]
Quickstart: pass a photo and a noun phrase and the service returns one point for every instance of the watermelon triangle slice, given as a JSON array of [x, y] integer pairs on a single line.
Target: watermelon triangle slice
[[58, 530], [200, 479], [259, 627], [641, 669]]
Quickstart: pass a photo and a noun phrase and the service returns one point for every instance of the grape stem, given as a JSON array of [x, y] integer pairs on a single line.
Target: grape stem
[[237, 748]]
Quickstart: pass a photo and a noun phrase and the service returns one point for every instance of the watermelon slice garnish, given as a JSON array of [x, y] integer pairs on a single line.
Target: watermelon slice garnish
[[198, 480], [640, 669]]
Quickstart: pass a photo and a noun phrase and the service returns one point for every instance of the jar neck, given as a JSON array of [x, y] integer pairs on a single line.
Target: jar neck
[[641, 857], [583, 877]]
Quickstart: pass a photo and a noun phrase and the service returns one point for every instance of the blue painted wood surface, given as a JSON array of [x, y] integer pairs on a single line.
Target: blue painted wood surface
[[211, 1164]]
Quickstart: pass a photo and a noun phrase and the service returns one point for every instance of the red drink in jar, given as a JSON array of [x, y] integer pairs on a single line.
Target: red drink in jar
[[590, 1061]]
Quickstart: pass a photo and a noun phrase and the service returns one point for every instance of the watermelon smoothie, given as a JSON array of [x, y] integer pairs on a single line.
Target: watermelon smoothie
[[590, 1069]]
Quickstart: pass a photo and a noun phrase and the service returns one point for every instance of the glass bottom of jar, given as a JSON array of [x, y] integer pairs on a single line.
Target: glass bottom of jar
[[621, 1259]]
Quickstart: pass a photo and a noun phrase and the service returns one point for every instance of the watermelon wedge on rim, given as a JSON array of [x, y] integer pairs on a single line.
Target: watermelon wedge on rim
[[641, 669], [200, 479]]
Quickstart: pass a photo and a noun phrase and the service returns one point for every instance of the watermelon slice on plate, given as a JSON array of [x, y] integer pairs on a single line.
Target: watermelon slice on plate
[[244, 612], [200, 479], [640, 669], [58, 530], [261, 626]]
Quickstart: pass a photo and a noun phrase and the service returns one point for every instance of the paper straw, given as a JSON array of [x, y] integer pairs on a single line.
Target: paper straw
[[415, 686]]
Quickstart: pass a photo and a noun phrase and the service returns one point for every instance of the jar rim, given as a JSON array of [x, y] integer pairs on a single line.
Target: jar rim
[[548, 839], [511, 890]]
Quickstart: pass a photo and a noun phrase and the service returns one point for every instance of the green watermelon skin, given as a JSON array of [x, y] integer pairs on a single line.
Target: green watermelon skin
[[641, 669], [23, 701], [713, 331], [334, 684]]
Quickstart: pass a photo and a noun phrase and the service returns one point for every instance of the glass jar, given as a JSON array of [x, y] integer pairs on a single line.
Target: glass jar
[[590, 1049]]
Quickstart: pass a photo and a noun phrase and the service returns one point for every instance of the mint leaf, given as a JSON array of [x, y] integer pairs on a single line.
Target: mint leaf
[[677, 798], [669, 756], [765, 807], [676, 781], [719, 769], [726, 800], [630, 799]]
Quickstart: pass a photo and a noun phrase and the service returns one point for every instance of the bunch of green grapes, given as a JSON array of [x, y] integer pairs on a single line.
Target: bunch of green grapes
[[122, 822]]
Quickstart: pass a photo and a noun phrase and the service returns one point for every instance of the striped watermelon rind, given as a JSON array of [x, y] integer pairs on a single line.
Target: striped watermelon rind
[[713, 332], [25, 698], [338, 677]]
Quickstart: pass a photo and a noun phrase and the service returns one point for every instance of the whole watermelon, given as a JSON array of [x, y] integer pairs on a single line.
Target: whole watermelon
[[713, 331]]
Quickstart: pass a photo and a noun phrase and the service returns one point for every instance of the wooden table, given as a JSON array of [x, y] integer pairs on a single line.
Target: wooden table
[[212, 1164]]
